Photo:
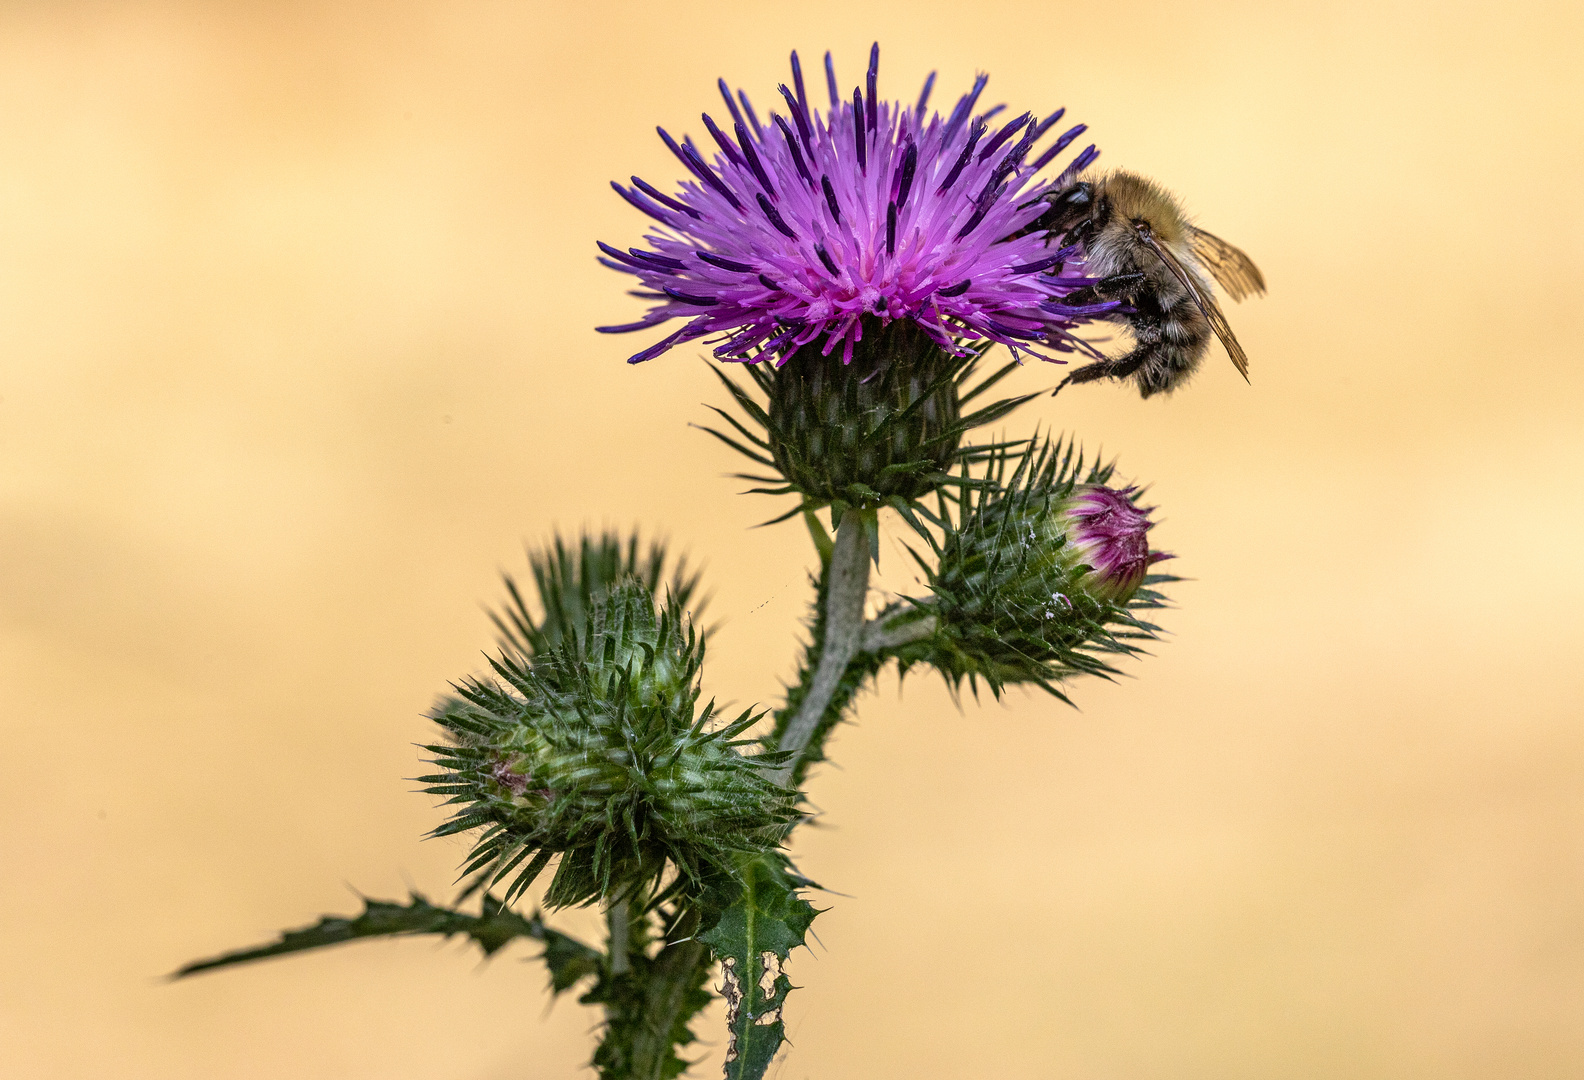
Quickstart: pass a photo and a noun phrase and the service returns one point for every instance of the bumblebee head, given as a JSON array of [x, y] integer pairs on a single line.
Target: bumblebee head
[[1136, 200], [1067, 208]]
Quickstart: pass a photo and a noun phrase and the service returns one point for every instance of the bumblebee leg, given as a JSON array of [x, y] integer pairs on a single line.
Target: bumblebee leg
[[1110, 288], [1119, 367], [1080, 233], [1088, 373]]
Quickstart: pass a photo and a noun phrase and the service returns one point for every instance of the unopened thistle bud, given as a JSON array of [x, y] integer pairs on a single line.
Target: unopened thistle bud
[[597, 752], [1038, 578]]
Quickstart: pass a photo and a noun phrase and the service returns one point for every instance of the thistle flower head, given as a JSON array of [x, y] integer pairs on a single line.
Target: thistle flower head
[[809, 226]]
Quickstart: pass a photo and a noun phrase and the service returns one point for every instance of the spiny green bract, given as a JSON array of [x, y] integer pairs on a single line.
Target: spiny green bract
[[572, 580], [886, 427], [886, 424], [596, 750], [1010, 602]]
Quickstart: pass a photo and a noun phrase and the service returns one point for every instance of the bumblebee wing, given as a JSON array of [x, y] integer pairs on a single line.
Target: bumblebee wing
[[1203, 301], [1233, 270], [1218, 323]]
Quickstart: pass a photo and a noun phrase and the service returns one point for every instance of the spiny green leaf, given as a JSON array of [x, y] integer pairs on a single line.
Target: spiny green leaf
[[752, 940], [492, 929]]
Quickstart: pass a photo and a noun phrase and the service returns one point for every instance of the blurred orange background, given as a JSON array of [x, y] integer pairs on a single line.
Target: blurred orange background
[[296, 352]]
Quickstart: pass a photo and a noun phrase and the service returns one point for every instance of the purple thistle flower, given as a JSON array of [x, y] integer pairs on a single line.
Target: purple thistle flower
[[804, 228], [1108, 533]]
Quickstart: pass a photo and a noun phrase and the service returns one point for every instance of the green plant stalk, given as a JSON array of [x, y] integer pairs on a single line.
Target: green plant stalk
[[839, 629], [677, 971], [843, 654], [647, 1011], [617, 916]]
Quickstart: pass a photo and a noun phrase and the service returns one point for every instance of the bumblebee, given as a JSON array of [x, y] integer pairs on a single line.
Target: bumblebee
[[1138, 242]]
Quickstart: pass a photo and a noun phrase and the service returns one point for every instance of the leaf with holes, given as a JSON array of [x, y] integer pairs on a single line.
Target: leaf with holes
[[752, 940]]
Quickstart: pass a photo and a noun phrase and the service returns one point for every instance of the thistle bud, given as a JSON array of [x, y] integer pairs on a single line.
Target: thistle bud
[[1038, 579], [597, 752]]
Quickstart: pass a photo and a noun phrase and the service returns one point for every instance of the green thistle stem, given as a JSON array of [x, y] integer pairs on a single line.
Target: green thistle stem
[[884, 634], [847, 586], [650, 1004], [617, 916], [673, 996]]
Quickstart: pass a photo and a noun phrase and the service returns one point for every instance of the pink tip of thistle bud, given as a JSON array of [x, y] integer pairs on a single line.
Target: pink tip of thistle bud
[[1108, 533]]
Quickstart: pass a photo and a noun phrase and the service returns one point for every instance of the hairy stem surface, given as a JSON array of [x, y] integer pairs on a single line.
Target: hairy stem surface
[[669, 1001], [617, 916], [843, 624]]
